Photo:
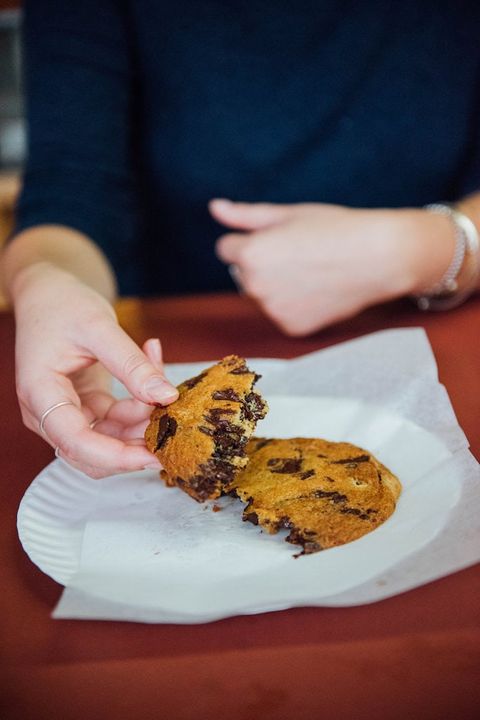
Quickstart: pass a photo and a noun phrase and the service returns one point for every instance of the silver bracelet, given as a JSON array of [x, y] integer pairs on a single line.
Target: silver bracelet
[[461, 277]]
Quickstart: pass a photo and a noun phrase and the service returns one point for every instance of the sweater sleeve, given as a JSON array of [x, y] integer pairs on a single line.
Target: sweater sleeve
[[78, 81]]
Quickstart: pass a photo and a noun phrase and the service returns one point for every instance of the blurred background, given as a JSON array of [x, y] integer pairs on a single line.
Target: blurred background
[[12, 125]]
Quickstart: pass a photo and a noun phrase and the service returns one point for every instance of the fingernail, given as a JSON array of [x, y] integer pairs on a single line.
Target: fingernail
[[160, 390], [155, 350], [221, 201]]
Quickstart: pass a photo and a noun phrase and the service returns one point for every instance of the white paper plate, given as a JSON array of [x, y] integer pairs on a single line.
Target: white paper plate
[[130, 540]]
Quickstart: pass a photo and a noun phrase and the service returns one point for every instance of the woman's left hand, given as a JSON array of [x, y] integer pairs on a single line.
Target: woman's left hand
[[309, 265]]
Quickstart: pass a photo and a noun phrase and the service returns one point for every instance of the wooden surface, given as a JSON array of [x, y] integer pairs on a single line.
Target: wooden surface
[[9, 188], [416, 655]]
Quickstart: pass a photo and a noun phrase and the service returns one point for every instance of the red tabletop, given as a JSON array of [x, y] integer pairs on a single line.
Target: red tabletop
[[415, 655]]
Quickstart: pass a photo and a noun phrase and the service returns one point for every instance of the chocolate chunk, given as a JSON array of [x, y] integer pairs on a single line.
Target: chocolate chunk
[[241, 370], [309, 546], [228, 437], [224, 437], [307, 474], [261, 443], [224, 426], [244, 370], [228, 446], [332, 495], [254, 407], [346, 461], [285, 465], [227, 394], [234, 360], [167, 427], [284, 523], [215, 418], [215, 414], [251, 517], [354, 511], [213, 471], [194, 381], [206, 430]]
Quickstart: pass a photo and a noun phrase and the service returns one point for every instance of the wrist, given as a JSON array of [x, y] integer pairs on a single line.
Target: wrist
[[461, 278], [426, 244], [44, 289], [24, 275], [55, 247]]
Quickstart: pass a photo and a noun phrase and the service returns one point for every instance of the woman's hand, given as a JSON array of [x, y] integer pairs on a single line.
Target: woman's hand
[[68, 343], [309, 265]]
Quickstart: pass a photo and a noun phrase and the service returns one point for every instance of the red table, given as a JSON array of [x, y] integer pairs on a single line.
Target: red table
[[416, 655]]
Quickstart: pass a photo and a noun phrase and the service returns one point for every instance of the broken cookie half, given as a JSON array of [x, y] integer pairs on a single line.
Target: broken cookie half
[[201, 438], [325, 493]]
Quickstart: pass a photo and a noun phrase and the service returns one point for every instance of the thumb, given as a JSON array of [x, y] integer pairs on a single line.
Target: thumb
[[247, 216], [142, 375]]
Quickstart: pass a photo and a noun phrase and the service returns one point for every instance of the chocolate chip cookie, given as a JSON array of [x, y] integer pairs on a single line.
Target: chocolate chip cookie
[[325, 493], [201, 438]]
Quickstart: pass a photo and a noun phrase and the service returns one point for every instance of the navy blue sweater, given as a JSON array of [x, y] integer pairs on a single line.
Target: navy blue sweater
[[140, 111]]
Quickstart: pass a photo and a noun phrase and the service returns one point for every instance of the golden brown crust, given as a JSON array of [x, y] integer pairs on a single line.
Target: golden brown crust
[[325, 493], [200, 439]]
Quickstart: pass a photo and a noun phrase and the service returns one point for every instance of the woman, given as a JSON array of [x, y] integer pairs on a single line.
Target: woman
[[333, 124]]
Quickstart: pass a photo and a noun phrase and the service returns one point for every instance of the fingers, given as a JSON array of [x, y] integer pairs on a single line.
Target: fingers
[[36, 398], [236, 275], [98, 402], [125, 419], [85, 449], [248, 256], [230, 248], [98, 472], [67, 427], [129, 410], [124, 431], [153, 350], [112, 415], [132, 366], [248, 216], [100, 452], [116, 415], [133, 432]]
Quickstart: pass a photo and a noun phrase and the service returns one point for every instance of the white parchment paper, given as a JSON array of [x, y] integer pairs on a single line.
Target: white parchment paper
[[151, 554]]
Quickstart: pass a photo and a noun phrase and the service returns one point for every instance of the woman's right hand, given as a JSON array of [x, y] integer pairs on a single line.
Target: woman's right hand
[[68, 343]]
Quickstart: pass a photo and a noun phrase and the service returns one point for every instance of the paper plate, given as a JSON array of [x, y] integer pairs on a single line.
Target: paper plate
[[130, 540]]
